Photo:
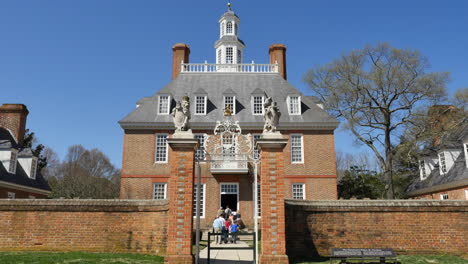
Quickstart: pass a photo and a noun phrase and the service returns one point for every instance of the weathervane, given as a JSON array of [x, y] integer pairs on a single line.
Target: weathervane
[[229, 5]]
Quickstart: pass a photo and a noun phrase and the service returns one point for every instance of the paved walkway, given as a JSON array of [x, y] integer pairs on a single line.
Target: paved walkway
[[231, 256]]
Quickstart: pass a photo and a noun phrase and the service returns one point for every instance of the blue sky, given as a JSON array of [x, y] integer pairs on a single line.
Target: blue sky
[[80, 66]]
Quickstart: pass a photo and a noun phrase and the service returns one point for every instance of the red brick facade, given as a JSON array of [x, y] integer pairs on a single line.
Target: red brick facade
[[459, 193], [317, 172], [20, 194]]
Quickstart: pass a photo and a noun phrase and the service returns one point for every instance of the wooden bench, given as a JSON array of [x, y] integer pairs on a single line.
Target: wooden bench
[[364, 255]]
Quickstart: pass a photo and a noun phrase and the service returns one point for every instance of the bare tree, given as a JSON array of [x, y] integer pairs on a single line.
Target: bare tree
[[374, 92], [460, 98]]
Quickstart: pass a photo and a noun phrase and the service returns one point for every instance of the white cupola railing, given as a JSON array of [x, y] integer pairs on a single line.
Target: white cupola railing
[[231, 68]]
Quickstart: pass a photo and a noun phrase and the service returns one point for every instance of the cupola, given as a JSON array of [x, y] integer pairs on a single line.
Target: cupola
[[229, 48]]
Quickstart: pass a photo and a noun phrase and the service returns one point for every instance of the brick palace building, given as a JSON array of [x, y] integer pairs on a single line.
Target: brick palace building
[[309, 156]]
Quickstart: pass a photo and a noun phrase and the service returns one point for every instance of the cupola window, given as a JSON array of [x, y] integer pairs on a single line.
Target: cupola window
[[239, 56], [229, 55], [222, 29], [219, 56], [229, 28]]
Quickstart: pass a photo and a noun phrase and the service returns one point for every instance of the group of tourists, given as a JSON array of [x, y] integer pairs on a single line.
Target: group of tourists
[[228, 224]]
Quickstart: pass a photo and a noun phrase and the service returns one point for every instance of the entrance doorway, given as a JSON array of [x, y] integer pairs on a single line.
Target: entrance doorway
[[229, 195]]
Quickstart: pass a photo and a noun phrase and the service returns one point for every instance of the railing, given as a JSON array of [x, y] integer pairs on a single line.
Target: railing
[[231, 68], [229, 163]]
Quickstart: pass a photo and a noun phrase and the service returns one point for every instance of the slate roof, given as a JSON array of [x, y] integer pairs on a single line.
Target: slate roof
[[458, 173], [242, 85], [20, 178], [6, 139]]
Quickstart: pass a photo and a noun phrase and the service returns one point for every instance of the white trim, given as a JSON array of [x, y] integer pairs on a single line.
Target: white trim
[[156, 148], [302, 148], [204, 104], [465, 148], [228, 183], [303, 190], [442, 196], [288, 103], [233, 103], [444, 163], [168, 104], [466, 194], [11, 195], [205, 136], [165, 190], [13, 164], [24, 188], [252, 104], [204, 199], [34, 163]]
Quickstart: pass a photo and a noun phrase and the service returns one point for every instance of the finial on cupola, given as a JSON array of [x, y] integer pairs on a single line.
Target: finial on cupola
[[229, 5]]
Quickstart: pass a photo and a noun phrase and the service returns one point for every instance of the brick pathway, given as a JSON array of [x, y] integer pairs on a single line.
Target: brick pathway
[[227, 256]]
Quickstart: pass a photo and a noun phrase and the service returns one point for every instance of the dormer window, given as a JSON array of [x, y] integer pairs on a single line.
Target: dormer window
[[442, 163], [164, 104], [200, 105], [294, 105], [257, 105], [465, 147], [13, 161], [422, 169], [229, 28], [33, 168], [230, 102]]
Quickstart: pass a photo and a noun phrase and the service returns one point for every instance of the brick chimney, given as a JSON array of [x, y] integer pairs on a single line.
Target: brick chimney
[[180, 52], [13, 117], [278, 55]]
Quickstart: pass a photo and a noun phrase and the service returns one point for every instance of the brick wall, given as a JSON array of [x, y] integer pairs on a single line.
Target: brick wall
[[13, 117], [453, 194], [84, 225], [416, 227]]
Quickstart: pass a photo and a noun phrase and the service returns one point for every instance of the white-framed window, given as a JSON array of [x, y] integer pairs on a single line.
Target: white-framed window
[[13, 161], [297, 149], [294, 105], [444, 196], [200, 154], [33, 168], [298, 191], [256, 151], [202, 200], [219, 56], [229, 55], [200, 105], [257, 105], [164, 104], [236, 29], [442, 163], [422, 169], [229, 188], [239, 56], [229, 28], [161, 148], [222, 29], [230, 101], [11, 195], [159, 191]]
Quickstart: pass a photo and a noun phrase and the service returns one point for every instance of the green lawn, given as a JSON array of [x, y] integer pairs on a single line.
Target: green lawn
[[76, 258], [402, 259]]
